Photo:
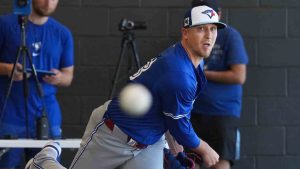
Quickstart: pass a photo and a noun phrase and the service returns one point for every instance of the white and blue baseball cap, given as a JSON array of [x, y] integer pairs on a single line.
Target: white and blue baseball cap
[[201, 15]]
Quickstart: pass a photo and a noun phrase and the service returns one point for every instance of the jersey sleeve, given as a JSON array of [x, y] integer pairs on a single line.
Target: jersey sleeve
[[67, 58], [236, 52], [177, 96], [183, 132]]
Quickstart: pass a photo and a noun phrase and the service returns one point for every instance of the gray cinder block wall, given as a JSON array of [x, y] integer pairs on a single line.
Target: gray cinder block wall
[[271, 30]]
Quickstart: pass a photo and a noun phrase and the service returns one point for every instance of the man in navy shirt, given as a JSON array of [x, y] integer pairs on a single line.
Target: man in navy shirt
[[217, 109], [51, 46], [115, 139]]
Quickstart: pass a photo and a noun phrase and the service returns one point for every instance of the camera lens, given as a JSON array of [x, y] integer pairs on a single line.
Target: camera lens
[[126, 25], [129, 25]]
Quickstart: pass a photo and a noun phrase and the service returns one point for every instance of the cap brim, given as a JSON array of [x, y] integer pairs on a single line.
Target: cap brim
[[220, 25]]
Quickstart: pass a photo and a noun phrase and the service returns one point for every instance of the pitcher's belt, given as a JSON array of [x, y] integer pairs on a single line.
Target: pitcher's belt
[[130, 141]]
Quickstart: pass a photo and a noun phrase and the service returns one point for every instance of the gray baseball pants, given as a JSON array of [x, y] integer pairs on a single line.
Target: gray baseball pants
[[103, 148]]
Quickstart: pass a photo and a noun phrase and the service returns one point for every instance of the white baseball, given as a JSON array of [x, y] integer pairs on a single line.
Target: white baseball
[[135, 99]]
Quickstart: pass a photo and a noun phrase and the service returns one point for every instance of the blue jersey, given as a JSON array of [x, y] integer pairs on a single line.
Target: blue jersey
[[51, 46], [174, 84], [218, 98]]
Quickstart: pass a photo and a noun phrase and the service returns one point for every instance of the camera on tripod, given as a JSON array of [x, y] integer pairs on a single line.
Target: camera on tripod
[[126, 25], [128, 41], [22, 7]]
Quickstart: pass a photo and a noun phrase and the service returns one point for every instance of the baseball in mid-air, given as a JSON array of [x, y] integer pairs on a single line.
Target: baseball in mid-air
[[135, 99]]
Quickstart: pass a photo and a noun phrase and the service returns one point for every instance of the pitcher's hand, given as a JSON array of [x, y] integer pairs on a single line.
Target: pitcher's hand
[[210, 156]]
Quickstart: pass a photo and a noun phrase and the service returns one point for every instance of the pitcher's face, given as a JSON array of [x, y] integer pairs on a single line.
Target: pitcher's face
[[201, 39]]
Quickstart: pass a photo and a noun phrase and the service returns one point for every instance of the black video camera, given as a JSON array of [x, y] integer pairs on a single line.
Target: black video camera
[[22, 7], [126, 25]]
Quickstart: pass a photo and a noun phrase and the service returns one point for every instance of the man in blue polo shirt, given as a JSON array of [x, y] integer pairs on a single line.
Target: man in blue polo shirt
[[51, 46], [216, 111], [115, 139]]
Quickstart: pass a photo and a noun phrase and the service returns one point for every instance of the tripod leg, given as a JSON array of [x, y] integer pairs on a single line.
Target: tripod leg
[[42, 122], [25, 89], [117, 71], [135, 53], [37, 83], [10, 84]]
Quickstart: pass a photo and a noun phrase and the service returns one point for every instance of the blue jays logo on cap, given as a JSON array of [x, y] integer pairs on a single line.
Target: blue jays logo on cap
[[201, 15], [209, 13]]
